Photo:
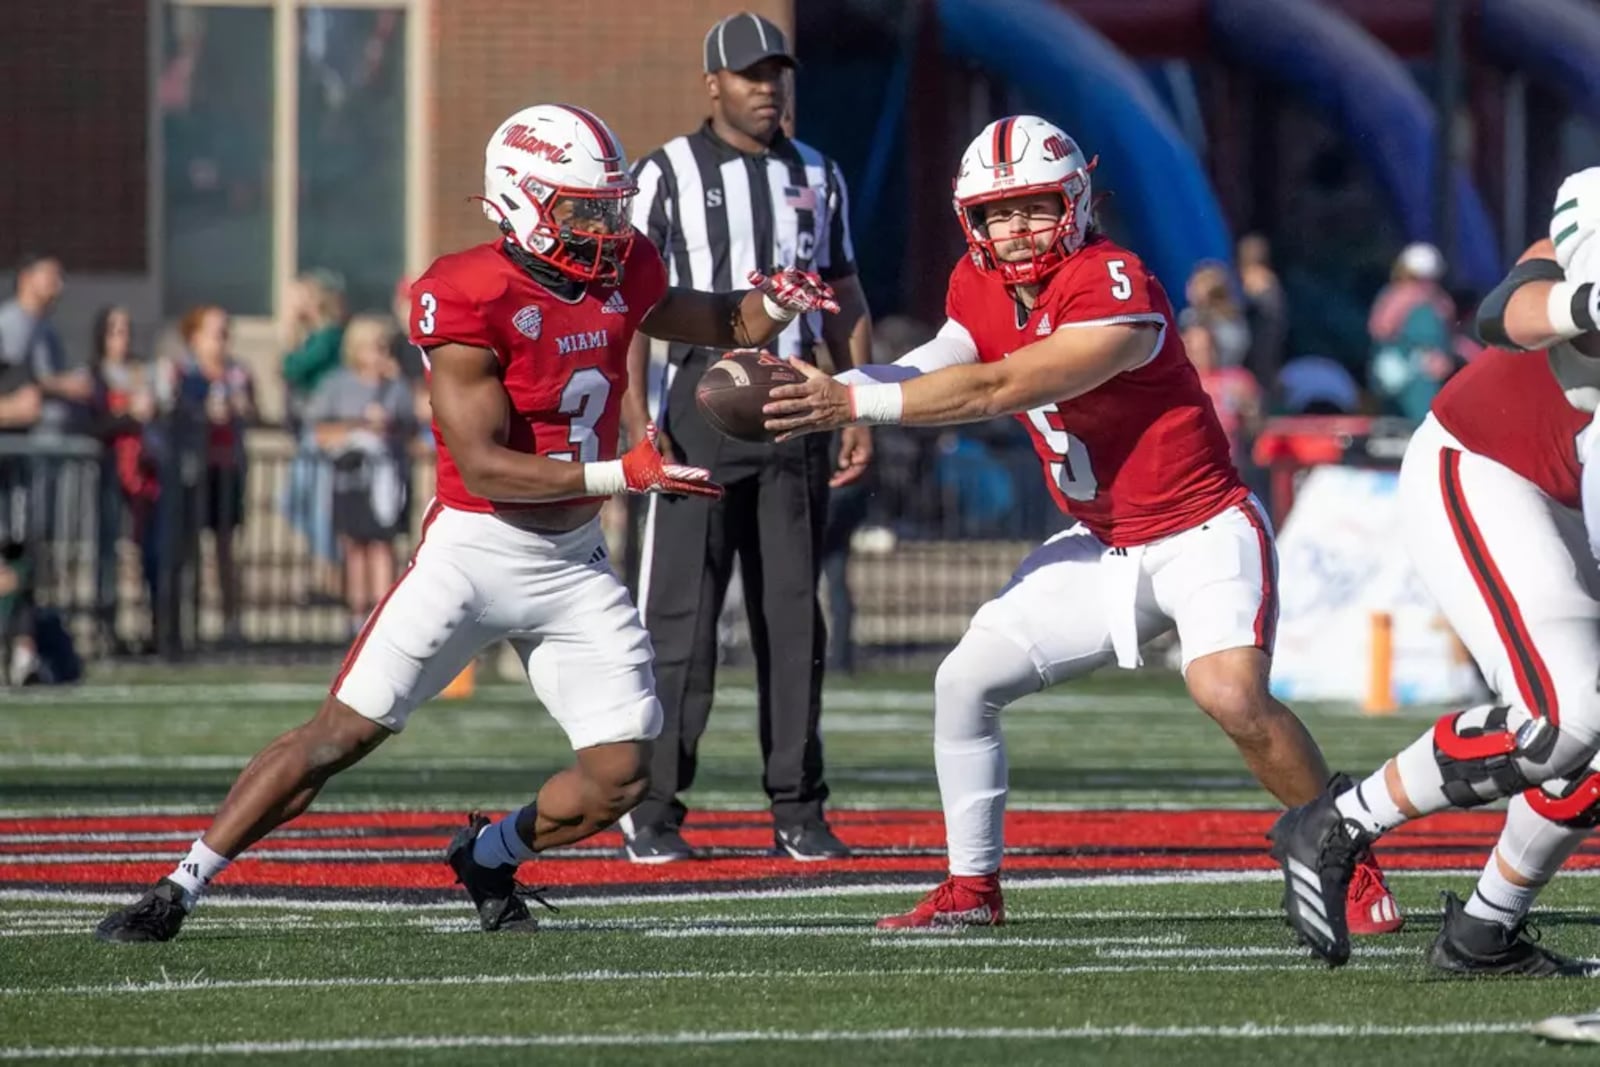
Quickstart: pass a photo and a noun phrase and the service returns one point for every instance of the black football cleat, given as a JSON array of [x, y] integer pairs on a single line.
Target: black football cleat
[[1318, 850], [1470, 946], [495, 891], [156, 916], [652, 844], [809, 842]]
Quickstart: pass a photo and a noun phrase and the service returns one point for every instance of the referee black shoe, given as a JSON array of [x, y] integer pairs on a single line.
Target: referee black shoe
[[809, 842], [1468, 945], [1318, 850], [652, 844]]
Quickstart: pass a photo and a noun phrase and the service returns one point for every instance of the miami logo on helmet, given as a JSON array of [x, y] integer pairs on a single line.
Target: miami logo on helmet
[[520, 136], [1057, 148]]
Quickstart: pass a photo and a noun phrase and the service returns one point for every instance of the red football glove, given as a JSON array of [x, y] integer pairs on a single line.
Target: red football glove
[[645, 473], [795, 291]]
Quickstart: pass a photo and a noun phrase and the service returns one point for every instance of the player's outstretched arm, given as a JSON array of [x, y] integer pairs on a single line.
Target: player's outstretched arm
[[472, 411], [1065, 364], [1535, 305], [746, 318]]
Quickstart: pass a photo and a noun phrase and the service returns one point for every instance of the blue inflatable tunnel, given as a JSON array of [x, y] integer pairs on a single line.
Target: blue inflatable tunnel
[[1077, 78], [1554, 41], [1340, 71]]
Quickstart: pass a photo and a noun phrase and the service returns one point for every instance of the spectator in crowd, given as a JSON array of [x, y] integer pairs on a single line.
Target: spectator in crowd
[[1266, 310], [214, 402], [1212, 305], [18, 643], [28, 337], [20, 404], [1411, 327], [364, 419], [1234, 392], [314, 332], [129, 486]]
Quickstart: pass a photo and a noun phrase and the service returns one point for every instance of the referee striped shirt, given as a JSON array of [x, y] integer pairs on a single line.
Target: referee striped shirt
[[717, 213]]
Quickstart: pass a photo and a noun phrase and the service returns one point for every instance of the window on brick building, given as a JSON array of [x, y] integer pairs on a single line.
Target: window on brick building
[[284, 140], [215, 96]]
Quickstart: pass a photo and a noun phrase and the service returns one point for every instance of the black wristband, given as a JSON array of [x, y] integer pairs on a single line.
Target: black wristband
[[1583, 307]]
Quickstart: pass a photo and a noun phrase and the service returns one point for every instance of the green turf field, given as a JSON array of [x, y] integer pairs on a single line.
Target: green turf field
[[1158, 967]]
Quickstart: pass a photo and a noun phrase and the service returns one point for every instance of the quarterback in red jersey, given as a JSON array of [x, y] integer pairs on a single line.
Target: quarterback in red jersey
[[1498, 502], [526, 341], [1051, 322]]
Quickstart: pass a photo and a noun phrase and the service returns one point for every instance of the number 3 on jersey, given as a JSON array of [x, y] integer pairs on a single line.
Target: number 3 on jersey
[[584, 399], [1069, 464]]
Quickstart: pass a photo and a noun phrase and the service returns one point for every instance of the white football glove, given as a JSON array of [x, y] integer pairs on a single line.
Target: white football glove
[[1575, 224]]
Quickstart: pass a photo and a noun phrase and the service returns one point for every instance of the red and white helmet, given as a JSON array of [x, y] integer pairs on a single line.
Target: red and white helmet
[[554, 152], [1020, 156]]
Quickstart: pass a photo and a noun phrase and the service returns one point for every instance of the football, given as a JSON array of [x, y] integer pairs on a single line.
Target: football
[[733, 389]]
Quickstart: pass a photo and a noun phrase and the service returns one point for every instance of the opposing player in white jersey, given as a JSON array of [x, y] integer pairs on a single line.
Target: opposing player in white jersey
[[526, 338], [1056, 324], [1497, 488]]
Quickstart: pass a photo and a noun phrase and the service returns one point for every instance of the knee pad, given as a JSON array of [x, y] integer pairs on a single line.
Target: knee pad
[[1481, 758], [1574, 804]]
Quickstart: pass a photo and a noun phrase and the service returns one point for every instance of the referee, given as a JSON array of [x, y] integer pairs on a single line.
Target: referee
[[734, 196]]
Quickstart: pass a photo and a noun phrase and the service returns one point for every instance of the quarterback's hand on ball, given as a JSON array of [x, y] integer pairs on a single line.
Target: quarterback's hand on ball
[[790, 292], [1574, 224], [818, 403], [645, 472]]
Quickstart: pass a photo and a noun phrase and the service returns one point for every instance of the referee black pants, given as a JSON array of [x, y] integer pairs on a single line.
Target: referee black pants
[[771, 518]]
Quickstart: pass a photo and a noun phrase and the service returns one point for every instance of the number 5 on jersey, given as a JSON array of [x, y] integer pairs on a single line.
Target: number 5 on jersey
[[1069, 463]]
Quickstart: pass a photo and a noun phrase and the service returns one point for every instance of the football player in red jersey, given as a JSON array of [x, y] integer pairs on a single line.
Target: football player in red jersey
[[526, 339], [1050, 321], [1500, 509]]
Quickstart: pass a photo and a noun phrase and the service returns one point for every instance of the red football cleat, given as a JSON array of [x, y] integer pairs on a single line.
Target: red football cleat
[[1370, 908], [957, 901]]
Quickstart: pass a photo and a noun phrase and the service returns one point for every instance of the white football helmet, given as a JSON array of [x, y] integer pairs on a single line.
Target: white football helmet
[[554, 154], [1020, 156]]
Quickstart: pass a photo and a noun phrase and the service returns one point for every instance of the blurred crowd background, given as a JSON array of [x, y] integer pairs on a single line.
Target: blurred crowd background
[[213, 435]]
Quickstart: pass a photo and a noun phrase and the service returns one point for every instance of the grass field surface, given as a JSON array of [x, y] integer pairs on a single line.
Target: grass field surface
[[1143, 921]]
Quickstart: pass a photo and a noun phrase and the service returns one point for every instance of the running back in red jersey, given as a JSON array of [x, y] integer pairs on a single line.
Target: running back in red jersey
[[563, 363], [1140, 457]]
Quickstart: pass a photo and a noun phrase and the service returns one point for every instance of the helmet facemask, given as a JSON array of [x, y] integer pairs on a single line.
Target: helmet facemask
[[1065, 237]]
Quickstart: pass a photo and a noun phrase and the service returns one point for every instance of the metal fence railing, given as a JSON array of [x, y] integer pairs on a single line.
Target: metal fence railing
[[243, 560]]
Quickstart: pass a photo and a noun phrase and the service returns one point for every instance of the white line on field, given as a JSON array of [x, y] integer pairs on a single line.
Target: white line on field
[[603, 976], [1245, 1031], [207, 696], [698, 897], [937, 938], [1235, 952]]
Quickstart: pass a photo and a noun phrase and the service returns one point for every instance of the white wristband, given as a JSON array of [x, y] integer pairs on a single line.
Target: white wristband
[[1558, 308], [776, 311], [604, 479], [876, 404]]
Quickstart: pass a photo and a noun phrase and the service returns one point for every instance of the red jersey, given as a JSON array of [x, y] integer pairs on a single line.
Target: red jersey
[[564, 365], [1140, 457], [1508, 407]]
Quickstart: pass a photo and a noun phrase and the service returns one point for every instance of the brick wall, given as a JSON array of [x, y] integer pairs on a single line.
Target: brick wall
[[74, 100], [640, 72]]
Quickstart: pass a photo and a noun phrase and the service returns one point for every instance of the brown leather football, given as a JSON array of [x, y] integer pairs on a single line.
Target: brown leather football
[[734, 388]]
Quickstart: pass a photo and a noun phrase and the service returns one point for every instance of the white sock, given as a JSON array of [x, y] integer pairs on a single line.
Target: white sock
[[1533, 847], [195, 873], [983, 674], [498, 844], [1370, 806]]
